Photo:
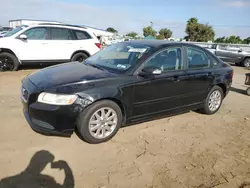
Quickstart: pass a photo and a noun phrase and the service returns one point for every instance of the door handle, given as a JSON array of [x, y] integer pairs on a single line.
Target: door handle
[[45, 43], [175, 79]]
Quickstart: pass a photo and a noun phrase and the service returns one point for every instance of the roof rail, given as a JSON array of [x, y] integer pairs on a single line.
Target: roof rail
[[61, 24]]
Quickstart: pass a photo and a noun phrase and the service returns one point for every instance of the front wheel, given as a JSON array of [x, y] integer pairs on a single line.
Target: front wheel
[[246, 63], [8, 62], [99, 122], [213, 101]]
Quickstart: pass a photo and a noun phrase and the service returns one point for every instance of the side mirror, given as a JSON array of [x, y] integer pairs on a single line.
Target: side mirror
[[150, 72], [23, 37]]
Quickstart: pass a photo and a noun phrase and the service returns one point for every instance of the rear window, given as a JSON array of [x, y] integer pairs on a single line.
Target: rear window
[[81, 35]]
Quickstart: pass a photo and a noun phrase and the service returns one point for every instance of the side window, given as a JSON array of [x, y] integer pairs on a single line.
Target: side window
[[197, 59], [167, 60], [81, 35], [61, 34], [39, 33], [213, 62]]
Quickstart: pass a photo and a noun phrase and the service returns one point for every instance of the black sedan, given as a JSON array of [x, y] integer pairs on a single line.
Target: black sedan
[[123, 84]]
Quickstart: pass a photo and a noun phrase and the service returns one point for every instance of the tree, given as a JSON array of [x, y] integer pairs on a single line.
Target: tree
[[149, 31], [112, 30], [234, 40], [246, 41], [132, 34], [160, 37], [221, 40], [199, 32], [167, 33]]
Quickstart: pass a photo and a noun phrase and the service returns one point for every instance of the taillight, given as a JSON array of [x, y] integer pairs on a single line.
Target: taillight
[[98, 45]]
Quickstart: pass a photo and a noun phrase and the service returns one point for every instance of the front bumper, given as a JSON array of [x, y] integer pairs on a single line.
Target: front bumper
[[50, 119], [45, 118]]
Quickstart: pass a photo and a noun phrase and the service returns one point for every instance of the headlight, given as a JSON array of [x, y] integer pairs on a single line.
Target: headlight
[[56, 99]]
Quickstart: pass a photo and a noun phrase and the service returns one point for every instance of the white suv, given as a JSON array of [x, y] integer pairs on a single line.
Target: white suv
[[46, 43]]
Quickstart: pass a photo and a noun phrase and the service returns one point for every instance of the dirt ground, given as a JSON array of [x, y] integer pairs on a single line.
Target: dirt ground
[[187, 150]]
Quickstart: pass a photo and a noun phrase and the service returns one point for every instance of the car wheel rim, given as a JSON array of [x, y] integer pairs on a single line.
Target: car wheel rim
[[214, 101], [6, 64], [247, 63], [103, 123], [80, 59]]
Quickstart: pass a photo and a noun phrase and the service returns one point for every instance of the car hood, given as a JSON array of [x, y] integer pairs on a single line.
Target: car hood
[[67, 73]]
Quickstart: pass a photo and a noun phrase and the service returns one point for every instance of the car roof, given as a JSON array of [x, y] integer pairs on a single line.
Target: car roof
[[160, 43], [59, 25]]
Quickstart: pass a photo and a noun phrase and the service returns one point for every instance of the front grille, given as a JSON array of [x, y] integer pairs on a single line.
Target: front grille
[[24, 94]]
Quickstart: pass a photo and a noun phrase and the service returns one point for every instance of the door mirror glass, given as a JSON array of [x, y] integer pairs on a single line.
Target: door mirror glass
[[23, 37], [150, 71]]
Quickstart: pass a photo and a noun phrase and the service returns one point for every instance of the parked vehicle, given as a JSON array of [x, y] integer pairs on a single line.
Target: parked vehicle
[[46, 43], [2, 33], [124, 83], [231, 54]]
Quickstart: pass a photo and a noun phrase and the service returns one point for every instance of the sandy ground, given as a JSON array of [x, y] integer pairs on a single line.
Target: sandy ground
[[187, 150]]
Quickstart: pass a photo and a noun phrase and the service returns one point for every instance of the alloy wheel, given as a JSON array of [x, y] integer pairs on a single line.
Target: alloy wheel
[[214, 100], [6, 64], [103, 123], [247, 62]]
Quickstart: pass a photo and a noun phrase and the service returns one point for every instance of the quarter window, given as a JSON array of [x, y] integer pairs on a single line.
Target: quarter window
[[197, 59], [61, 34], [39, 33], [81, 35], [167, 60]]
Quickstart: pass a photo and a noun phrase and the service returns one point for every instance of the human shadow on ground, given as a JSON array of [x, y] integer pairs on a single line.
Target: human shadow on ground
[[31, 177]]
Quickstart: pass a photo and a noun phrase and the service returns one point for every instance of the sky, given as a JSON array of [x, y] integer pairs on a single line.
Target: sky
[[228, 17]]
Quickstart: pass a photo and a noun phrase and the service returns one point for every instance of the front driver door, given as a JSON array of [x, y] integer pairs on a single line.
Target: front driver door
[[35, 47], [164, 92]]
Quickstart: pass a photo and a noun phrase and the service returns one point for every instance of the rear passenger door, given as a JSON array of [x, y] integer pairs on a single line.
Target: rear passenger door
[[201, 74], [61, 43]]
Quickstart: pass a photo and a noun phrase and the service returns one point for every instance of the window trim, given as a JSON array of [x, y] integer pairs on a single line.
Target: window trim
[[200, 50], [46, 28], [139, 69]]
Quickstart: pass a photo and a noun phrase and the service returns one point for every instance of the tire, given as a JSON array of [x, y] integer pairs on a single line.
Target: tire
[[89, 114], [207, 109], [80, 57], [8, 62], [246, 62], [248, 91]]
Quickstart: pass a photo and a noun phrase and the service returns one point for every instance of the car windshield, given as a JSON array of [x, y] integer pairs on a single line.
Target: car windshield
[[118, 57], [14, 31]]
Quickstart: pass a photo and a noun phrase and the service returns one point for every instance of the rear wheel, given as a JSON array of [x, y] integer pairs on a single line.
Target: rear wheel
[[213, 101], [80, 57], [99, 122], [8, 62], [248, 91], [246, 62]]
